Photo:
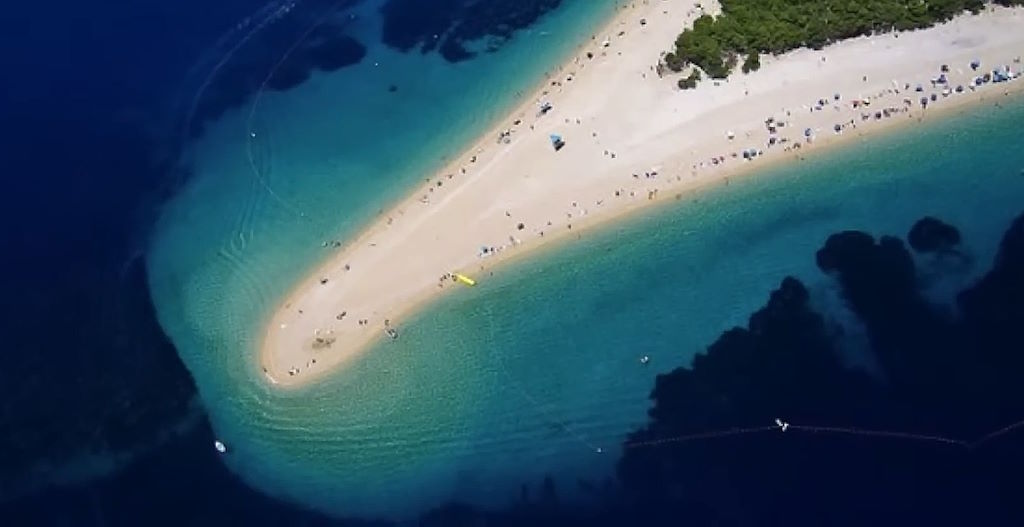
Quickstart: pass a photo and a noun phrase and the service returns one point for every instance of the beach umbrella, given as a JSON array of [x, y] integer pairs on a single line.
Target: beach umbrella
[[556, 142], [807, 132], [975, 64], [730, 134], [837, 128]]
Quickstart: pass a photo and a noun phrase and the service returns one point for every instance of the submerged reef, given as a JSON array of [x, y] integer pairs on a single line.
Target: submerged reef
[[450, 26], [931, 437], [913, 442], [315, 35], [932, 235], [285, 51]]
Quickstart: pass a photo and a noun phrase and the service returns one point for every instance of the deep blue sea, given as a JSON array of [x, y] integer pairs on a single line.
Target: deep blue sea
[[172, 168]]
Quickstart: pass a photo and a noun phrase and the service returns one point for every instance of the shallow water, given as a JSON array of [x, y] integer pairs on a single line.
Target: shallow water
[[271, 181], [535, 370]]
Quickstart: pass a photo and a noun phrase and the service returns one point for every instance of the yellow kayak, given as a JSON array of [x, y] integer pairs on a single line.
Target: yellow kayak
[[464, 279]]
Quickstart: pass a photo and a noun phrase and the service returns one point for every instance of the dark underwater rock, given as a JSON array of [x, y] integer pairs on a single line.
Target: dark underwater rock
[[994, 308], [1011, 249], [449, 25], [933, 235], [284, 53], [942, 376], [335, 53], [931, 440], [878, 283]]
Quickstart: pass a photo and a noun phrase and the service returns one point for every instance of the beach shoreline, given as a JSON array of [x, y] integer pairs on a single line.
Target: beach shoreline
[[319, 325]]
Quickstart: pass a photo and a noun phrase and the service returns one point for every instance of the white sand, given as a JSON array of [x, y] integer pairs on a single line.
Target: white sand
[[614, 104]]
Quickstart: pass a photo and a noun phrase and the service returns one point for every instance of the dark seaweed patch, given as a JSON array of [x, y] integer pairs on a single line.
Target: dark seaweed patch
[[449, 25]]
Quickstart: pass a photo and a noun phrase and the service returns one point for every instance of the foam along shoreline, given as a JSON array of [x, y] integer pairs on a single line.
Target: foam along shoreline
[[631, 139]]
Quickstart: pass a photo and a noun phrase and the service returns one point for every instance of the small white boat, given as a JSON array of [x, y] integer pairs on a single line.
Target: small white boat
[[645, 359], [220, 446]]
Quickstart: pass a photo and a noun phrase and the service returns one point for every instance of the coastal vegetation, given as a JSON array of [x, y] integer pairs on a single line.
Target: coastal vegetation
[[748, 28], [690, 81]]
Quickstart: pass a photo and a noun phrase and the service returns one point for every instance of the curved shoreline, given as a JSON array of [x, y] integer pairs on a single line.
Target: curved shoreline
[[396, 264]]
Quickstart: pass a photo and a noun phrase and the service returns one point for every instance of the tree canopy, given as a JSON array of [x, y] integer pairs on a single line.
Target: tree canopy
[[749, 27]]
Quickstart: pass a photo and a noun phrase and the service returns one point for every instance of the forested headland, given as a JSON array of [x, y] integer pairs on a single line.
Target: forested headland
[[748, 28]]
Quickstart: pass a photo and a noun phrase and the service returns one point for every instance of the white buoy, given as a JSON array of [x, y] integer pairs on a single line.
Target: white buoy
[[221, 447]]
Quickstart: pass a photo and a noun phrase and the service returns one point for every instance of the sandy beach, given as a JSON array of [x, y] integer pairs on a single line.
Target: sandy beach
[[632, 139]]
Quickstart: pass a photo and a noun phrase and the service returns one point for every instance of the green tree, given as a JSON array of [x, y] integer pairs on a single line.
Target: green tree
[[752, 27], [673, 62], [690, 81], [753, 62]]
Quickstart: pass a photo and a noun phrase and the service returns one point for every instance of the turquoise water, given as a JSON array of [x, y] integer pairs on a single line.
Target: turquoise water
[[327, 156], [533, 371]]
